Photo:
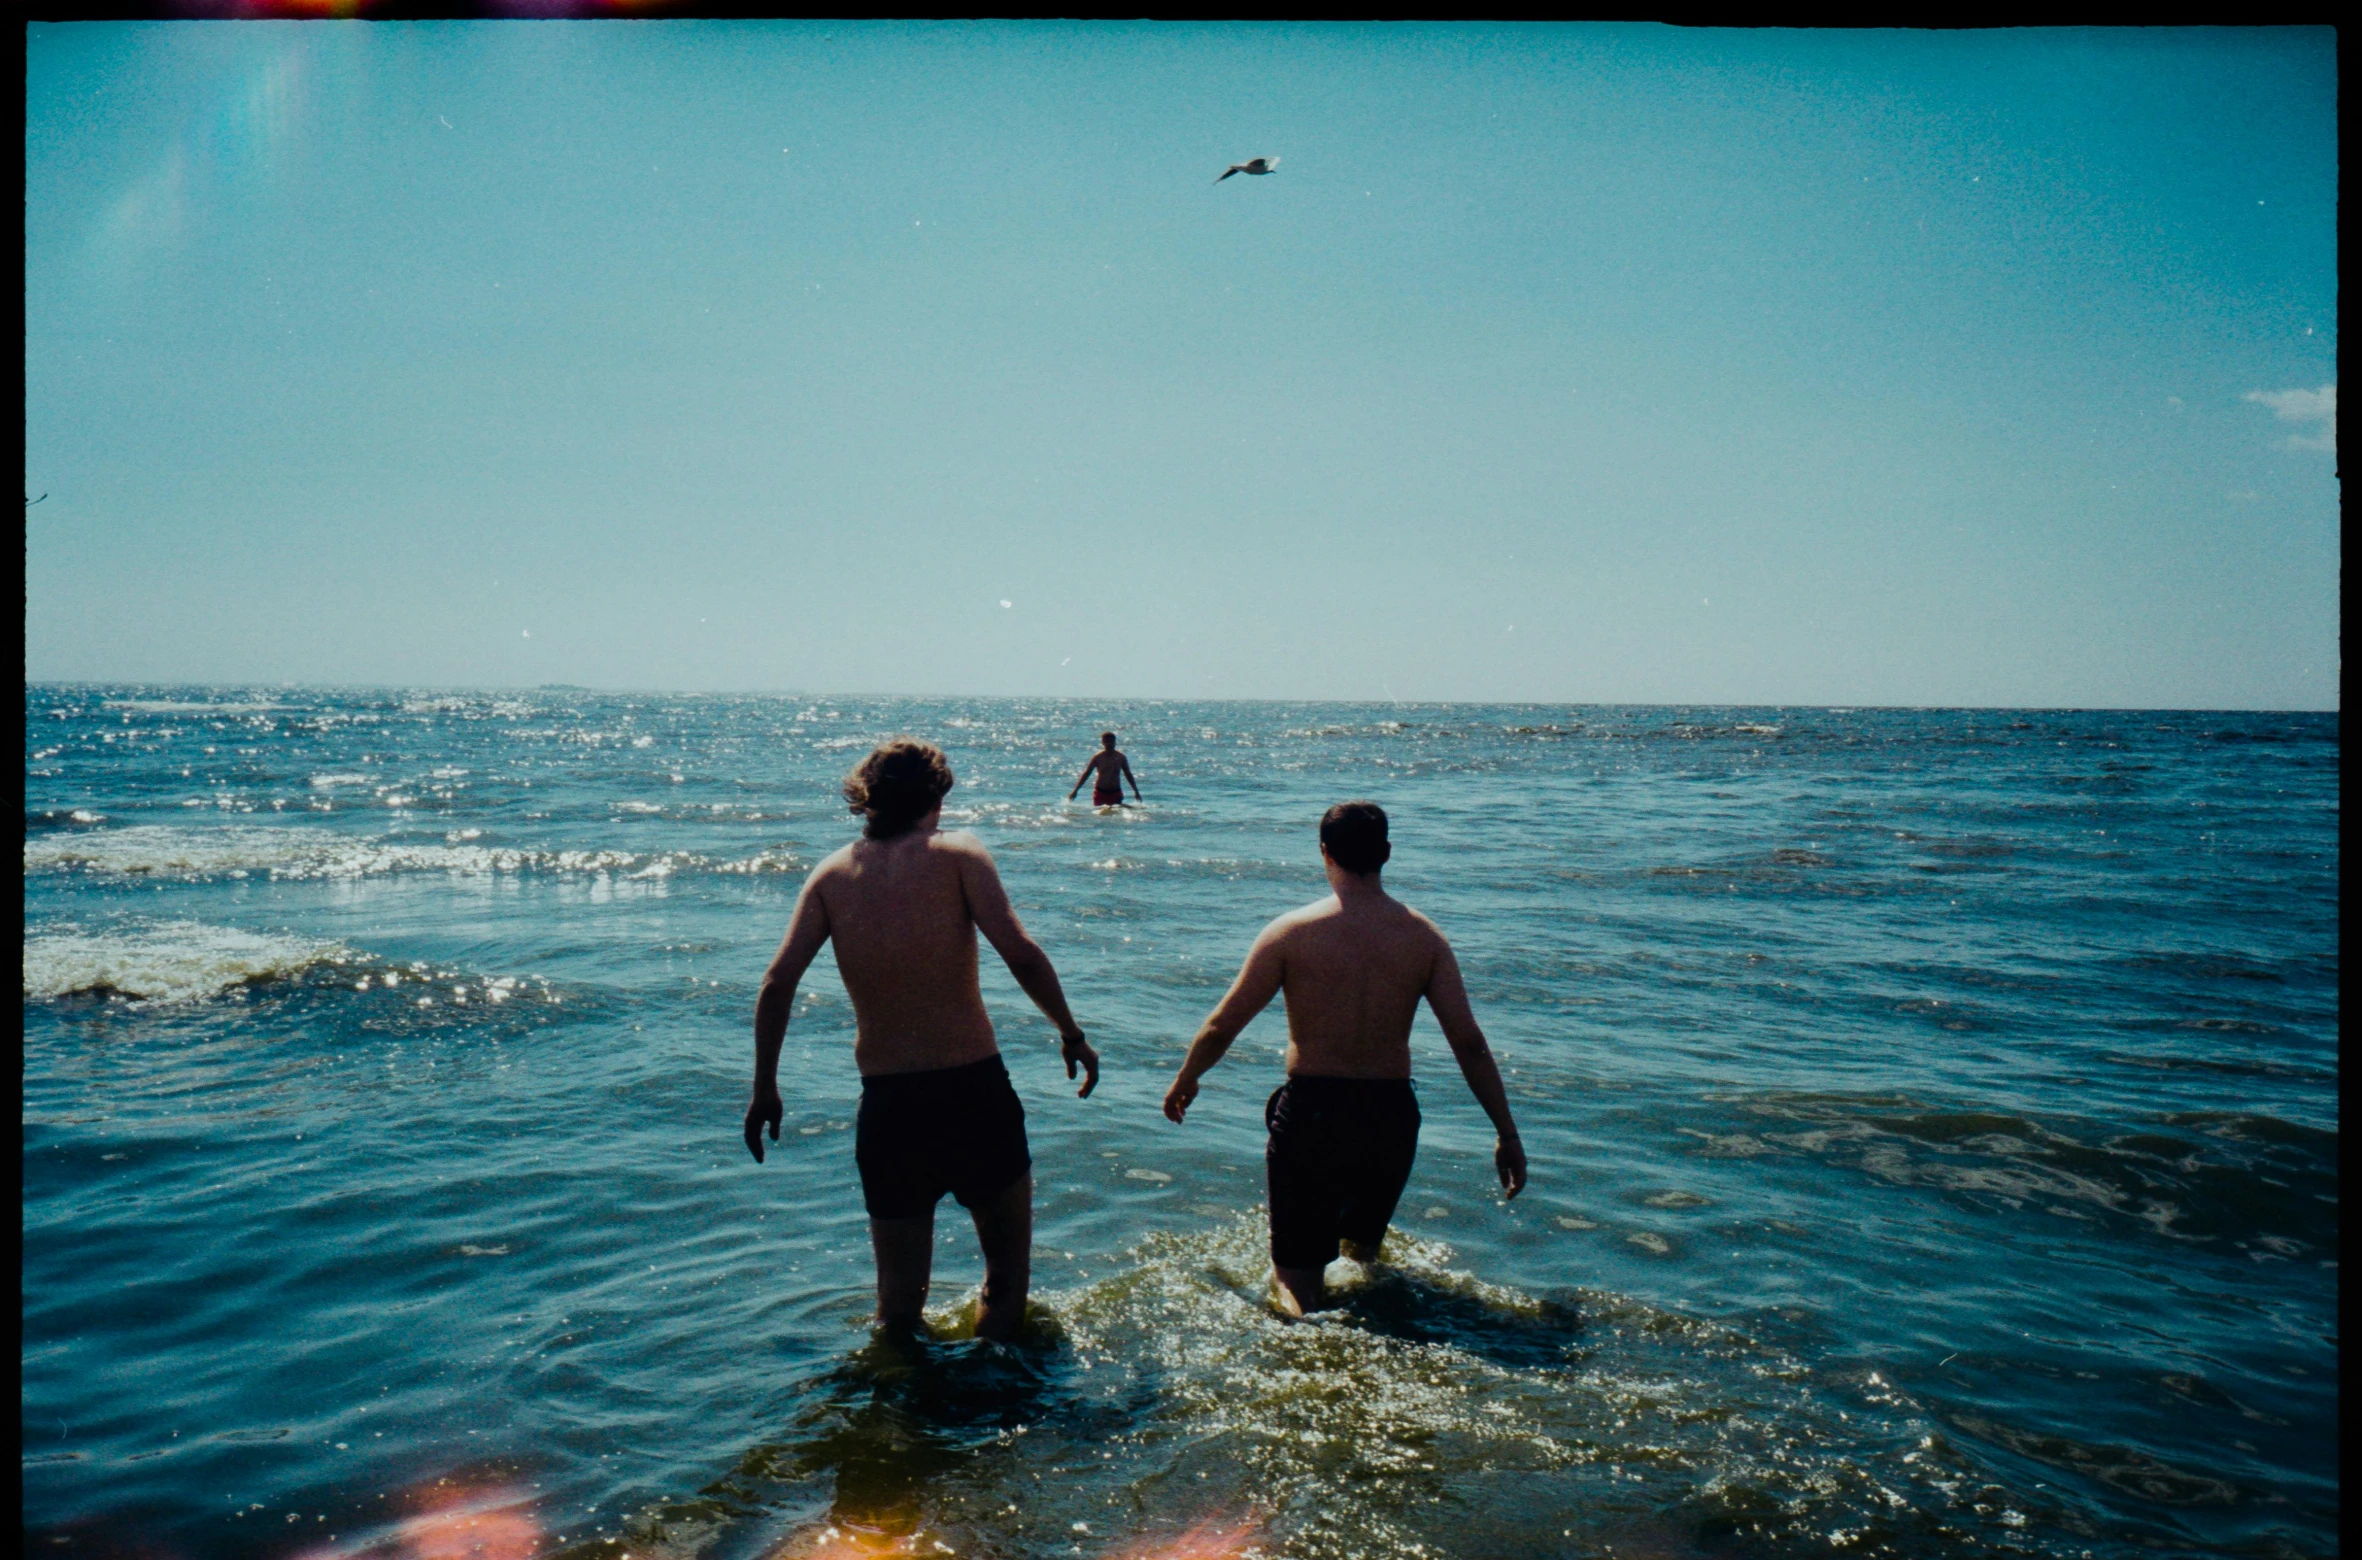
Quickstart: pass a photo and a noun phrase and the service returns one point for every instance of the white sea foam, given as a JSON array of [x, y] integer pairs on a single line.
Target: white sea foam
[[472, 708], [303, 854], [184, 707], [763, 861], [167, 851], [177, 961]]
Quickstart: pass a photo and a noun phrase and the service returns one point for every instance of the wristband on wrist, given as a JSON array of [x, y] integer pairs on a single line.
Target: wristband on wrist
[[1075, 1039]]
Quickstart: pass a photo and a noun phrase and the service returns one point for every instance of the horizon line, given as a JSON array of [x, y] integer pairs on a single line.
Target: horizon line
[[803, 693]]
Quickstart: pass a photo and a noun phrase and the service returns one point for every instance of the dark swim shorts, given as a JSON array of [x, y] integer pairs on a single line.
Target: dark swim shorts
[[1114, 798], [951, 1129], [1339, 1152]]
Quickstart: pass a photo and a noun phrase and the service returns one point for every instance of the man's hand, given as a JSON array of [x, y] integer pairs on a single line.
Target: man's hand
[[1178, 1097], [1509, 1162], [1078, 1053], [766, 1108]]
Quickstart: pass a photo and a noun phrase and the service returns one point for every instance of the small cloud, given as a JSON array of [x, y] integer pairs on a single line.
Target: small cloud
[[2301, 407], [1004, 602]]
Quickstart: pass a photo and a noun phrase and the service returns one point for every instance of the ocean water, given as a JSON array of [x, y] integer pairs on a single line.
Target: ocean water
[[1933, 1120]]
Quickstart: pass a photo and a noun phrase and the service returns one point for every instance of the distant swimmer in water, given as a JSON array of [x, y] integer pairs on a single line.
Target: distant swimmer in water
[[904, 904], [1112, 769], [1345, 1126]]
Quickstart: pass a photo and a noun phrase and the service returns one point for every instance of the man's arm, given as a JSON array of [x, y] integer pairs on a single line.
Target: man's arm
[[1136, 796], [1089, 770], [988, 905], [1258, 982], [1447, 998], [807, 929]]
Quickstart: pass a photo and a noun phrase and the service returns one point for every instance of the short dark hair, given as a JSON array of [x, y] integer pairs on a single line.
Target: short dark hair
[[1354, 833], [1107, 737], [898, 784]]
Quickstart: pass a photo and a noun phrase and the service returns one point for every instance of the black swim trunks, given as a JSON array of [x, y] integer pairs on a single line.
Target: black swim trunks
[[1339, 1152], [951, 1129]]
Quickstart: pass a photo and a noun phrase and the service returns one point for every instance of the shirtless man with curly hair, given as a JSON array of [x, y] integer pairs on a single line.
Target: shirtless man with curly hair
[[904, 904]]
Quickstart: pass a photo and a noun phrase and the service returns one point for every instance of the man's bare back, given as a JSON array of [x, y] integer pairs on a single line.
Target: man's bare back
[[1353, 973], [904, 914], [1354, 968]]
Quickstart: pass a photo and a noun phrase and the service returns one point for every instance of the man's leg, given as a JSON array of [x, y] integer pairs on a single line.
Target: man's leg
[[1004, 1227], [1387, 1147], [1300, 1289], [1297, 1171], [905, 1251]]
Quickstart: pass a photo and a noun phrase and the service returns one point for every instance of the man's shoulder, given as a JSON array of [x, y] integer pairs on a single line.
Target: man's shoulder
[[960, 843], [831, 868], [1302, 916], [1424, 924], [1393, 918]]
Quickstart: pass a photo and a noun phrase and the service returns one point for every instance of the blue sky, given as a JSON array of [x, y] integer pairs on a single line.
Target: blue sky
[[1616, 363]]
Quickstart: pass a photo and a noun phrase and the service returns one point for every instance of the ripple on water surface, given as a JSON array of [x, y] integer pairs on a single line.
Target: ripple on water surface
[[1170, 1407]]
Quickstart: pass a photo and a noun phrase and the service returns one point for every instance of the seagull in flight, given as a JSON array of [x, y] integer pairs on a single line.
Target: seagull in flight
[[1251, 165]]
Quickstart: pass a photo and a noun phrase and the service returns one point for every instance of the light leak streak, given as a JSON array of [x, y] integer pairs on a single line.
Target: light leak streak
[[453, 1522]]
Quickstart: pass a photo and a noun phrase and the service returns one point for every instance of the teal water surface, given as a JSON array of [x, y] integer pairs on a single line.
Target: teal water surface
[[1933, 1120]]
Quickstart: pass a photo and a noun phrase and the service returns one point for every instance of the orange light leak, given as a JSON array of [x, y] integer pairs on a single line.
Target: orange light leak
[[1207, 1541], [842, 1541], [479, 1523], [1217, 1540], [453, 1522]]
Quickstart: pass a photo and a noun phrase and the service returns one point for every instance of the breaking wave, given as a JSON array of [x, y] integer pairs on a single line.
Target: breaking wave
[[163, 850], [178, 961]]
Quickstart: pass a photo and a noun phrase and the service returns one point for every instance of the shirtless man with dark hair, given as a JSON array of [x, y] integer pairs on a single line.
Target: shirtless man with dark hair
[[1344, 1128], [1113, 769], [904, 904]]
